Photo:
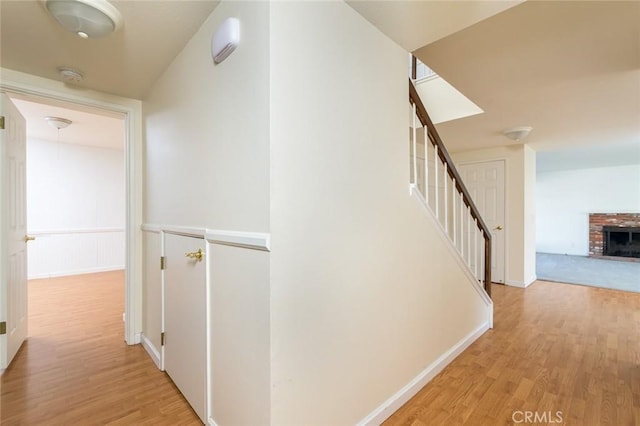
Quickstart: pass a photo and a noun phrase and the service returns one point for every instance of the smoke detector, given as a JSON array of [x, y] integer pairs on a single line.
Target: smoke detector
[[69, 75], [57, 122], [86, 18]]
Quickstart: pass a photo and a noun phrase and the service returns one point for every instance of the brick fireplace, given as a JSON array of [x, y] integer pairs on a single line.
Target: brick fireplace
[[603, 224]]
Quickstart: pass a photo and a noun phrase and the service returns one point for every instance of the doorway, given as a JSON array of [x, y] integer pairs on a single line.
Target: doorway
[[75, 202], [130, 110], [75, 191]]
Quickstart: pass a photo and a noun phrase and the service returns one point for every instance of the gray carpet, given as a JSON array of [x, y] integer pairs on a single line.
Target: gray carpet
[[619, 275]]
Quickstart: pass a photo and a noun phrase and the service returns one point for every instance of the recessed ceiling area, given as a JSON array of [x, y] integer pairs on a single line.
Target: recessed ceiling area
[[413, 24], [86, 129], [125, 63]]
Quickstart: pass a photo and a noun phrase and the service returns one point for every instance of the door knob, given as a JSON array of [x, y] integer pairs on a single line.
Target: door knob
[[197, 255], [27, 238], [498, 228]]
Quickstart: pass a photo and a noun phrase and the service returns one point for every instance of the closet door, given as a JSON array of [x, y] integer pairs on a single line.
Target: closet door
[[185, 318]]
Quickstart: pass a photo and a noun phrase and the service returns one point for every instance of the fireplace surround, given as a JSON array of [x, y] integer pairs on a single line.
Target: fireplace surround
[[614, 234]]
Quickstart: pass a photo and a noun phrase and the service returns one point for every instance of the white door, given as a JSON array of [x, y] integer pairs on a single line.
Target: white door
[[185, 353], [13, 250], [485, 182]]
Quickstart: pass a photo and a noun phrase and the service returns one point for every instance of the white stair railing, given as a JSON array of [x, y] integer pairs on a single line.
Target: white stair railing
[[435, 177]]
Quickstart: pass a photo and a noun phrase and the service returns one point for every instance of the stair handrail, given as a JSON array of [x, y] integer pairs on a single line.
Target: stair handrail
[[435, 139]]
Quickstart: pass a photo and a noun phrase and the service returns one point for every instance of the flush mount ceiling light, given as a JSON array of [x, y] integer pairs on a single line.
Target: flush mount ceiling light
[[518, 133], [86, 18], [57, 122]]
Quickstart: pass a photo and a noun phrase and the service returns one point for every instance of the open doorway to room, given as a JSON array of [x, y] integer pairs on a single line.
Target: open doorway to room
[[76, 215], [588, 216]]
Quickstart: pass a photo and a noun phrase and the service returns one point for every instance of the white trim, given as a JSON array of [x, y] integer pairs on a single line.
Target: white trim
[[250, 240], [153, 352], [151, 228], [211, 422], [391, 405], [30, 86], [208, 404], [74, 231], [188, 231], [415, 192], [162, 300], [76, 272], [521, 284]]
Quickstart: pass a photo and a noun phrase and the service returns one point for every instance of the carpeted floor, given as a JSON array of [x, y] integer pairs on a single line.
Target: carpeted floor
[[619, 275]]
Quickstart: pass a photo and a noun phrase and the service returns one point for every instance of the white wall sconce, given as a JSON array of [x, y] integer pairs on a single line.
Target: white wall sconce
[[225, 40]]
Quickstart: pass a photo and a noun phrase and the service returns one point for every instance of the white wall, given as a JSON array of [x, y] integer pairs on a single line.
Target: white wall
[[364, 293], [207, 165], [290, 137], [565, 199], [75, 208], [520, 188]]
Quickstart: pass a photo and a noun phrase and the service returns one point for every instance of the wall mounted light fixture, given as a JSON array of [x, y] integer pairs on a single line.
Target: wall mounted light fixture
[[225, 40]]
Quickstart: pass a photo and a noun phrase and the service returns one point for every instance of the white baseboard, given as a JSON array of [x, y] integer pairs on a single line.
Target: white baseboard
[[390, 406], [521, 284], [152, 351], [211, 422], [76, 272]]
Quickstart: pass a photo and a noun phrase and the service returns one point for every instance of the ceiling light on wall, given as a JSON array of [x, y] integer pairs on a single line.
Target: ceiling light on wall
[[69, 75], [225, 40], [57, 122], [86, 18], [518, 133]]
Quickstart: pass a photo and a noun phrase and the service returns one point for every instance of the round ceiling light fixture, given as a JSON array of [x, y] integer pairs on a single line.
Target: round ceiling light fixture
[[86, 18], [70, 75], [57, 122], [518, 133]]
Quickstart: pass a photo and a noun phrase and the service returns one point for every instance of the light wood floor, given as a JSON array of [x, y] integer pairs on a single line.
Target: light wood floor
[[555, 347], [75, 369]]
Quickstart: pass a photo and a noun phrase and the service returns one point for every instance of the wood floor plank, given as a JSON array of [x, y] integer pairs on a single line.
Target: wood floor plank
[[75, 369], [555, 347]]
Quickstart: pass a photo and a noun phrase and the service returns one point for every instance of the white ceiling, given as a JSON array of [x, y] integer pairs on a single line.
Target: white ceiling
[[413, 24], [569, 69], [86, 128], [125, 63]]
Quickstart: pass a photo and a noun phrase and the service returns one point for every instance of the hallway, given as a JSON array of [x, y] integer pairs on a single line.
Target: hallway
[[75, 368]]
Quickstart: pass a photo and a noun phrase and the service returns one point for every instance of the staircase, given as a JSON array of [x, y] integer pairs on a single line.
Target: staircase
[[435, 180]]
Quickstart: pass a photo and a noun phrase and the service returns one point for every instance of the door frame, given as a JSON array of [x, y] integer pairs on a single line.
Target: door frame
[[34, 88], [505, 161]]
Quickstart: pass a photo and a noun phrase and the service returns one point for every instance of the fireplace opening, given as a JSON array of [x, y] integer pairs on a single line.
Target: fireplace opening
[[621, 241]]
